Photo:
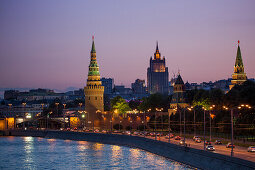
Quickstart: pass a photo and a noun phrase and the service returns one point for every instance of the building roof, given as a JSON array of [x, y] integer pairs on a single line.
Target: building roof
[[179, 80], [93, 49]]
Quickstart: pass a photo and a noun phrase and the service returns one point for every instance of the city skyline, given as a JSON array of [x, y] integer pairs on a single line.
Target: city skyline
[[47, 45]]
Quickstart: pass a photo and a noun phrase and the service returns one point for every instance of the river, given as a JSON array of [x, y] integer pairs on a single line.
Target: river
[[43, 153]]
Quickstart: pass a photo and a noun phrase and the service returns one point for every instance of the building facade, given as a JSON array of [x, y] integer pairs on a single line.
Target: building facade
[[108, 85], [139, 87], [94, 91], [157, 74], [239, 76]]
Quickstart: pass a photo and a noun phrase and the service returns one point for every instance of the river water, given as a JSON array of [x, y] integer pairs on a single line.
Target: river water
[[43, 153]]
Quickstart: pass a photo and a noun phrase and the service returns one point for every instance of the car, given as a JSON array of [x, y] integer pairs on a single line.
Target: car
[[208, 142], [167, 136], [182, 142], [159, 134], [127, 132], [177, 138], [210, 148], [218, 142], [195, 137], [104, 131], [251, 149], [152, 134], [198, 140], [229, 145], [136, 133]]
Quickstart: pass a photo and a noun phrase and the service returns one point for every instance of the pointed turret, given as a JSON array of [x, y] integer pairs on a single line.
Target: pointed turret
[[157, 50], [239, 61], [94, 90], [239, 76], [93, 49], [157, 53], [179, 80]]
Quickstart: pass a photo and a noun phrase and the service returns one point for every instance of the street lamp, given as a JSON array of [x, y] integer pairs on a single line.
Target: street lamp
[[169, 128], [24, 105], [204, 127], [155, 122], [232, 124], [211, 117], [119, 126]]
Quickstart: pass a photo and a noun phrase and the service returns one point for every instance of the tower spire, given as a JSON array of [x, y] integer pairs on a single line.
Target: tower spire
[[93, 49], [239, 76], [157, 50], [157, 54], [239, 60]]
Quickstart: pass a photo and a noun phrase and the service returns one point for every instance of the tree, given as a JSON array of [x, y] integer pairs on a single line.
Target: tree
[[119, 106], [155, 101]]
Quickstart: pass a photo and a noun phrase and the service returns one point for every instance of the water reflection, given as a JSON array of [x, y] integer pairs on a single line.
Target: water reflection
[[28, 148], [41, 153]]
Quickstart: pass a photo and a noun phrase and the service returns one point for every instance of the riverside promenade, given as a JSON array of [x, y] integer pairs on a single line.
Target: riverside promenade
[[190, 156]]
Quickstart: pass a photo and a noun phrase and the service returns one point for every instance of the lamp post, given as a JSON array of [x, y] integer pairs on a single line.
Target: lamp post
[[111, 123], [232, 124], [211, 121], [155, 126], [119, 126], [184, 129], [194, 120], [83, 117], [180, 121], [204, 127], [145, 119], [161, 119], [24, 105]]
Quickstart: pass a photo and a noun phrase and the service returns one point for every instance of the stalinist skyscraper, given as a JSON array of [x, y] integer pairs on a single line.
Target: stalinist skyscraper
[[94, 91], [157, 74]]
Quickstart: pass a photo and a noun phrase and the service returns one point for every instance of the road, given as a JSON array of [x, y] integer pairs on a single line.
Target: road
[[240, 152]]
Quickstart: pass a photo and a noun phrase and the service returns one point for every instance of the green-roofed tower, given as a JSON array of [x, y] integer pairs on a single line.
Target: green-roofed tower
[[94, 91], [239, 76]]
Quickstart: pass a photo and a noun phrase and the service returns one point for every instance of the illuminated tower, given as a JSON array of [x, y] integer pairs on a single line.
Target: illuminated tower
[[94, 91], [239, 76], [157, 74], [179, 95]]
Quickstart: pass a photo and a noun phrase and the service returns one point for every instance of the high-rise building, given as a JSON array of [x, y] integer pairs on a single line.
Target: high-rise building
[[108, 85], [239, 76], [157, 74], [94, 91], [139, 87]]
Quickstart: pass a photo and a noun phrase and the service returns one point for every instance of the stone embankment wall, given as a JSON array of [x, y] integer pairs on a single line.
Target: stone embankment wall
[[193, 157]]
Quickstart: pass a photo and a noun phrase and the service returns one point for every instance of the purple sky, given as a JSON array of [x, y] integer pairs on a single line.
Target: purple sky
[[46, 43]]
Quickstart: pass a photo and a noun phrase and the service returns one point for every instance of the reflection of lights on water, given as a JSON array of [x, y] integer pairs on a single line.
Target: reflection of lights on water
[[28, 139], [51, 140], [82, 142], [98, 146], [28, 148], [135, 153], [67, 141], [10, 138], [82, 145], [39, 139], [116, 151]]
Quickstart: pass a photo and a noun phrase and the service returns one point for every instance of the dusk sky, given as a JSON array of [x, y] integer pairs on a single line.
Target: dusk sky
[[46, 43]]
